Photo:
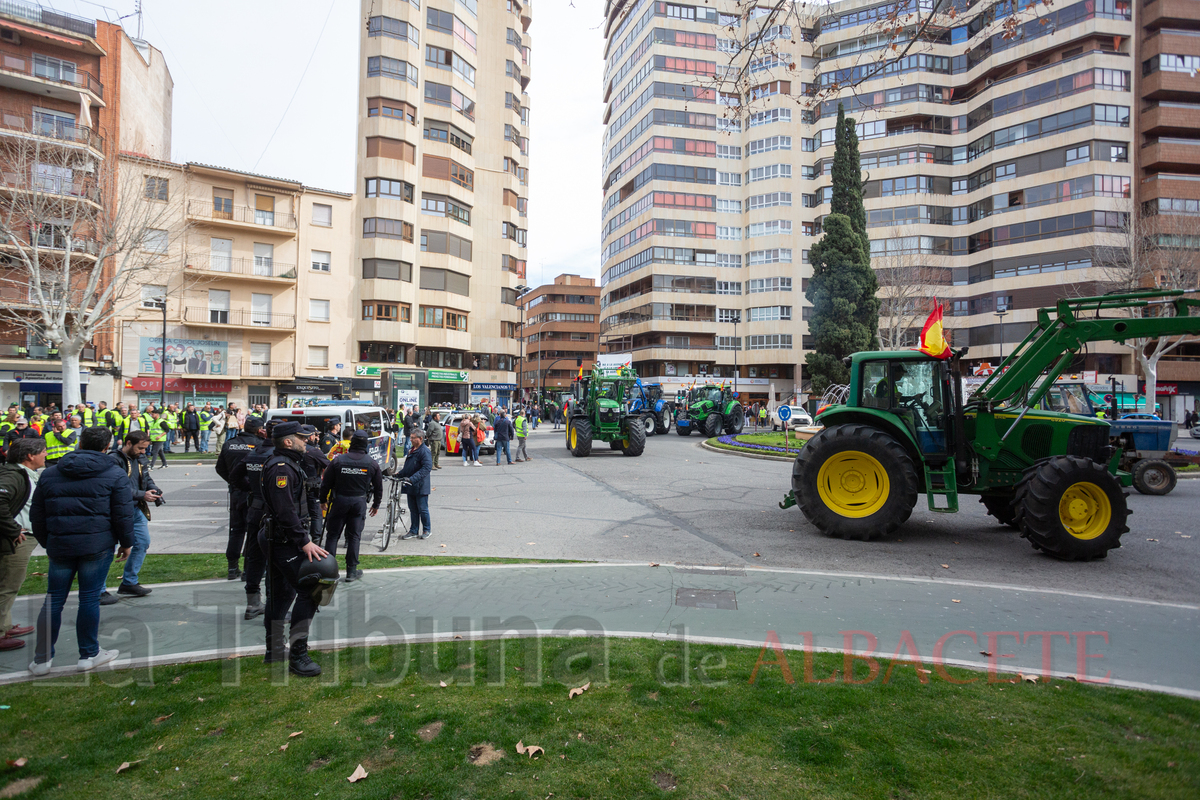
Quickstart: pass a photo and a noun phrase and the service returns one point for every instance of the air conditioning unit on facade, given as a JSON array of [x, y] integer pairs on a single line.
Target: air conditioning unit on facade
[[10, 36]]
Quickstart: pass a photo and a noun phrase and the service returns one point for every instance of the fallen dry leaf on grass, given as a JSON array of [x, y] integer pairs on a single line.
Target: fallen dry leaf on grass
[[442, 684], [1028, 678], [163, 718], [530, 751], [127, 764], [580, 690], [358, 774], [294, 735], [19, 762], [283, 747]]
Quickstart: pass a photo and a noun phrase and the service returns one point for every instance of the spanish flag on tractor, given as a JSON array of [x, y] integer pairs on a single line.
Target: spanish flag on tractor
[[933, 338]]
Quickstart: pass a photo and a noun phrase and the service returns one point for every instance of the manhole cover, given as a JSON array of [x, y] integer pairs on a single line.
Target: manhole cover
[[725, 599]]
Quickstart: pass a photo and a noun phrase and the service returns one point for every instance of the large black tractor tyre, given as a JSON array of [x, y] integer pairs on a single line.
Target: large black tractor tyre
[[634, 443], [1000, 507], [1154, 476], [855, 482], [712, 425], [1071, 508], [735, 420], [649, 424], [579, 437], [662, 420], [615, 444]]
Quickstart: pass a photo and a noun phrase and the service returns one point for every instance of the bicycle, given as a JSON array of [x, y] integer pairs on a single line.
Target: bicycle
[[395, 511]]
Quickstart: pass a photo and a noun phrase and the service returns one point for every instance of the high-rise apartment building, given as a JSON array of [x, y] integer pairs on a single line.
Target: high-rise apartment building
[[562, 328], [1167, 177], [994, 166], [441, 197], [74, 93]]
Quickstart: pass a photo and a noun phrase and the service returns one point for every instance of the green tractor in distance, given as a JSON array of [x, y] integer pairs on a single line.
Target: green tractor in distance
[[599, 411], [905, 429], [710, 409]]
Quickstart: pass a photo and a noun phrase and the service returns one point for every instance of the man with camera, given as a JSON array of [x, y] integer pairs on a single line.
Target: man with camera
[[132, 459]]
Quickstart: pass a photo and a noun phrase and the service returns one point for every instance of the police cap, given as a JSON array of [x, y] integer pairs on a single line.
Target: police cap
[[307, 430], [363, 435], [254, 425], [286, 428]]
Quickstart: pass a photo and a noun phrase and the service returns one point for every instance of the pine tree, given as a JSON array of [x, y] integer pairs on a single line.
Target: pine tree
[[845, 315]]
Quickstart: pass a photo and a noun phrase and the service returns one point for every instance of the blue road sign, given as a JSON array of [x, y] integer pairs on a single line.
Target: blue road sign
[[785, 413]]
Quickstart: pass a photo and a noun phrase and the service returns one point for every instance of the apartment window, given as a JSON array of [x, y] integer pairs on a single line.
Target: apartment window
[[1006, 171], [264, 209], [729, 315], [218, 306], [729, 287], [771, 228], [772, 341], [383, 187], [392, 29], [155, 241], [448, 243], [54, 69], [441, 58], [444, 280], [445, 132], [154, 296], [223, 203], [396, 109], [382, 352], [386, 270], [1078, 155], [395, 149], [156, 188], [437, 205], [508, 296], [322, 215], [770, 313], [729, 343], [729, 151], [318, 356], [384, 67], [387, 312], [320, 261], [380, 228], [447, 170], [729, 206], [318, 310], [769, 200], [431, 317], [729, 178], [768, 172], [729, 232], [442, 95], [1118, 154], [769, 285]]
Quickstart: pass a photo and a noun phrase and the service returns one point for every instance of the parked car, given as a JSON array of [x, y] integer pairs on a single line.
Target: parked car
[[799, 418], [452, 447]]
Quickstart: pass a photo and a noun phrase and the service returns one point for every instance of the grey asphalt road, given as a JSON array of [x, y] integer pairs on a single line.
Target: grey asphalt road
[[679, 503]]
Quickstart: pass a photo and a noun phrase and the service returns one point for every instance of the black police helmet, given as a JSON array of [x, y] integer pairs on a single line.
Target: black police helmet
[[319, 577]]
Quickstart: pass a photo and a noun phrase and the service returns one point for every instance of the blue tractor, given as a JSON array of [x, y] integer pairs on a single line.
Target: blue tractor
[[655, 410]]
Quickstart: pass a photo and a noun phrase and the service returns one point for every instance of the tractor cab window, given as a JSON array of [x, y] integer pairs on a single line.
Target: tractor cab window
[[714, 396], [607, 391], [876, 390], [1076, 400], [918, 388]]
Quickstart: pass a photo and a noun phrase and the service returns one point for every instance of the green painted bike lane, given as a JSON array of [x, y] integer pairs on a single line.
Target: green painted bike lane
[[990, 627]]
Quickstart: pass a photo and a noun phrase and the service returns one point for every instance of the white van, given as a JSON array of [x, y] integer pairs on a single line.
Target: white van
[[372, 419]]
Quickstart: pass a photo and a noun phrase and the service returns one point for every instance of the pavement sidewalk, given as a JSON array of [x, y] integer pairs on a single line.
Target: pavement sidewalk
[[1121, 641]]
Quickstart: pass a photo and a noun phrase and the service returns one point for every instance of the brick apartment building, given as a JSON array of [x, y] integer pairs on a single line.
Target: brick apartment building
[[562, 326]]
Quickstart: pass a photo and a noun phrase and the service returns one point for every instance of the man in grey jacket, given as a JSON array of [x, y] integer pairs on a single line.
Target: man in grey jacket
[[435, 436]]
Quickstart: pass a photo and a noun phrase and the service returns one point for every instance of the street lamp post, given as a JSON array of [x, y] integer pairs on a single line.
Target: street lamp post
[[162, 389], [1000, 312]]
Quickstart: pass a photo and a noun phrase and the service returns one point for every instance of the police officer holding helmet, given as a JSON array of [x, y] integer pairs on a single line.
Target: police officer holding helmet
[[349, 479], [297, 568]]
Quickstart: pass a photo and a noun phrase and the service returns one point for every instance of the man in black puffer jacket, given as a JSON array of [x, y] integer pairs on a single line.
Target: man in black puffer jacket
[[82, 508]]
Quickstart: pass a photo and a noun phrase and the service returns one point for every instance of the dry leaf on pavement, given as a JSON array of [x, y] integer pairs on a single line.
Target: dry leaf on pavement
[[580, 690], [945, 566], [358, 774]]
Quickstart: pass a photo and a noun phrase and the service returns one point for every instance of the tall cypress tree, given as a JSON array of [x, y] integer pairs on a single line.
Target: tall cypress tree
[[845, 316]]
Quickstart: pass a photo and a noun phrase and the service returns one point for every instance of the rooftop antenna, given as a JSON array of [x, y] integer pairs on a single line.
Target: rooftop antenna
[[138, 11]]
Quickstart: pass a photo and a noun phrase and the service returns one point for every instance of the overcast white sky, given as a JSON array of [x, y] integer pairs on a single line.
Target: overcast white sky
[[236, 64]]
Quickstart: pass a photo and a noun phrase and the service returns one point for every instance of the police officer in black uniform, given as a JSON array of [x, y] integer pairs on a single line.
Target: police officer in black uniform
[[235, 450], [285, 539], [315, 463], [344, 489], [247, 477], [333, 435]]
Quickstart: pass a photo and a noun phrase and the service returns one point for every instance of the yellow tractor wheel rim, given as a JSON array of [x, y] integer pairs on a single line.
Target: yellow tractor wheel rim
[[853, 484], [1084, 510], [574, 438]]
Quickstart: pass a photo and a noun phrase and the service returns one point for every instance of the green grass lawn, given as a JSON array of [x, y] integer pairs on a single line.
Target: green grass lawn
[[191, 735], [169, 567], [767, 438]]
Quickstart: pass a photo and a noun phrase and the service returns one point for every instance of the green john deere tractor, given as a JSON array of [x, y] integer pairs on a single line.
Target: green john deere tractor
[[905, 429], [599, 411], [710, 410]]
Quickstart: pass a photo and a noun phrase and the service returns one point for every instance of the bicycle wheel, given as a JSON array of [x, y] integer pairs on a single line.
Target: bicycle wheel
[[389, 523]]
